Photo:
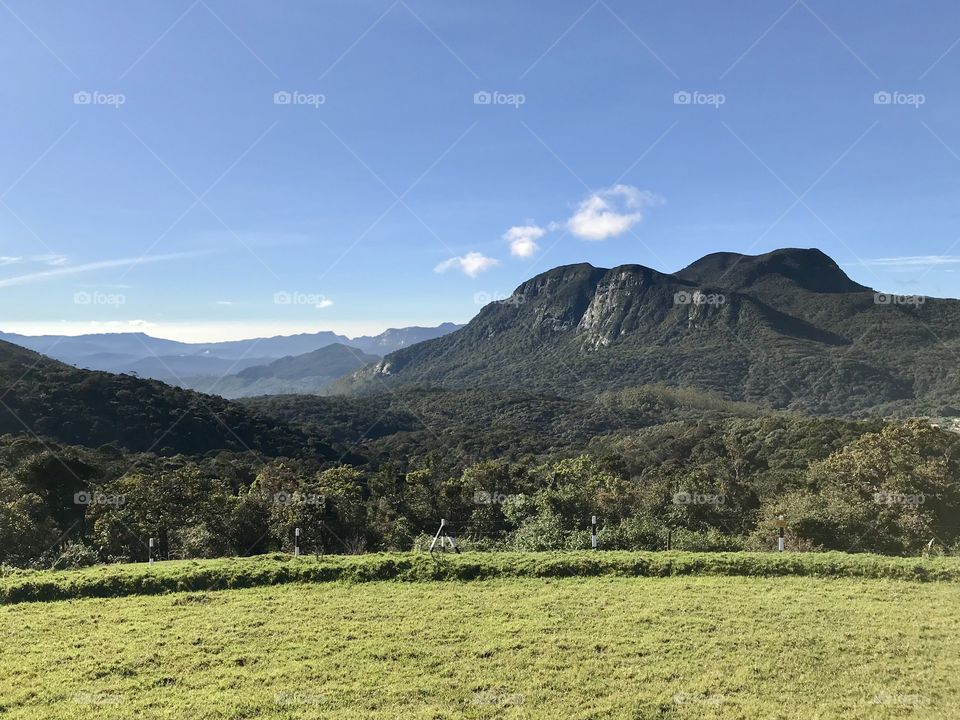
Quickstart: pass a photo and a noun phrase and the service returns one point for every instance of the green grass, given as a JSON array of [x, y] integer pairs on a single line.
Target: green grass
[[605, 648], [124, 580]]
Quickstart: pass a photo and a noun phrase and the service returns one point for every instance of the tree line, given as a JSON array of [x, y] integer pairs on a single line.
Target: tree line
[[707, 485]]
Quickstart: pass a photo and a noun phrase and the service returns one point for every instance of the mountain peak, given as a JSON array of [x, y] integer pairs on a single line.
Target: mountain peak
[[810, 269]]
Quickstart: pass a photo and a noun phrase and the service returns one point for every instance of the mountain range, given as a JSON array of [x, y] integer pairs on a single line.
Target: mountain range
[[203, 363], [306, 374], [787, 329], [783, 330]]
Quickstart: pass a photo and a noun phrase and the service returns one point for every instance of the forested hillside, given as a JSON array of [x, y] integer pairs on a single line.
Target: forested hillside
[[785, 330], [47, 398]]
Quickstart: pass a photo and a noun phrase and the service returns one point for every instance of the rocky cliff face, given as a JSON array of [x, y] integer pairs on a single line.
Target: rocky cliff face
[[593, 308], [627, 299]]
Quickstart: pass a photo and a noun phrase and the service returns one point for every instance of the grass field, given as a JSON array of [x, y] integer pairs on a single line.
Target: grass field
[[599, 647]]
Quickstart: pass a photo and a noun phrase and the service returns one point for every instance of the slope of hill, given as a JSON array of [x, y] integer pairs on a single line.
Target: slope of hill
[[50, 399], [308, 373], [788, 329], [465, 426]]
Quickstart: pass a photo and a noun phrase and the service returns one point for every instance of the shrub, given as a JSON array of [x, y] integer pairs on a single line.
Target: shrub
[[75, 555], [200, 576]]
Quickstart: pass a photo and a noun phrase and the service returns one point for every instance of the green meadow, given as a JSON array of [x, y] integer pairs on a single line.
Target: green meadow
[[605, 645]]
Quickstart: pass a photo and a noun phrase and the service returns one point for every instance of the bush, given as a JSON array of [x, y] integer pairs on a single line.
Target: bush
[[75, 555], [199, 576]]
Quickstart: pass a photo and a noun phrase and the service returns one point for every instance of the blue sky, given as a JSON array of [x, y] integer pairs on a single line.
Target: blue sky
[[152, 178]]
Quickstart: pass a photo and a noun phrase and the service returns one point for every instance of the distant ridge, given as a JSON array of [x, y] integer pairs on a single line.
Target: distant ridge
[[309, 373], [172, 361]]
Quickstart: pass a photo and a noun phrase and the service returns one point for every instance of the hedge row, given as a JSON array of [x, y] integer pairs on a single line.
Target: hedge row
[[224, 574]]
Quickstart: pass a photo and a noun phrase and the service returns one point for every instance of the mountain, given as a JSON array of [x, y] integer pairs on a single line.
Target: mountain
[[308, 373], [272, 347], [169, 360], [71, 349], [396, 338], [810, 270], [50, 399], [786, 329], [174, 369]]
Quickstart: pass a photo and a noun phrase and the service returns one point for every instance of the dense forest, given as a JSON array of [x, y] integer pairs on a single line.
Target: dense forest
[[715, 483]]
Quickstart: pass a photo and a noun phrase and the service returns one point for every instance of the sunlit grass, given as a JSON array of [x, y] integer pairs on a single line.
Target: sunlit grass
[[607, 647]]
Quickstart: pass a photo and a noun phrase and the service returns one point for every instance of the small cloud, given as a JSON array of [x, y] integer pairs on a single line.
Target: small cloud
[[472, 264], [913, 261], [225, 302], [53, 260], [7, 260], [121, 324], [324, 303], [60, 270], [523, 239], [611, 212]]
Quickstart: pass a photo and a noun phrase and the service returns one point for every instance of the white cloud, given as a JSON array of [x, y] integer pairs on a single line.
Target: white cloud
[[225, 302], [54, 260], [472, 264], [324, 303], [60, 270], [912, 261], [611, 212], [523, 239], [96, 326]]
